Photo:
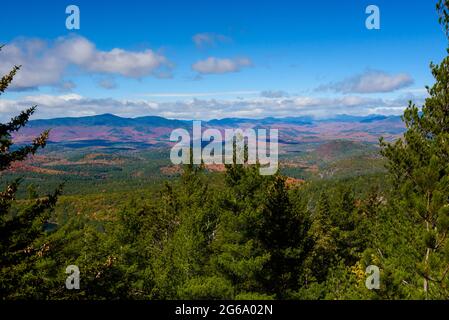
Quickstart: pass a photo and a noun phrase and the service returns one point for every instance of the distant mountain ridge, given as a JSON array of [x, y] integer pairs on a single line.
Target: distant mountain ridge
[[155, 130], [108, 119]]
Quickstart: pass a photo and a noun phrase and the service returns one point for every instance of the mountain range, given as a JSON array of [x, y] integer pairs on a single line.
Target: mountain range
[[154, 130]]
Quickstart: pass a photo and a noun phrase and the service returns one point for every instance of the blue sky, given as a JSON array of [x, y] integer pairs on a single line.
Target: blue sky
[[214, 59]]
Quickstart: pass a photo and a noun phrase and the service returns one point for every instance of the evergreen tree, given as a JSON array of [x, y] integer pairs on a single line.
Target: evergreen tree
[[179, 265], [323, 233], [419, 166], [19, 231], [284, 234]]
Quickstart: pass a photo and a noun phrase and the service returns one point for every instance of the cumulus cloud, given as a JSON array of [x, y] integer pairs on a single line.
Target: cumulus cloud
[[371, 81], [208, 39], [51, 106], [45, 63], [214, 65]]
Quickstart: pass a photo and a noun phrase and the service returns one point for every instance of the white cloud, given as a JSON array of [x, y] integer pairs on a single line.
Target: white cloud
[[214, 65], [38, 65], [51, 106], [45, 63], [125, 63], [205, 39], [371, 81]]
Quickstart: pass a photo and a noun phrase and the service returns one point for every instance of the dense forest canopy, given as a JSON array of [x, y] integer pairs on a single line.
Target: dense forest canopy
[[247, 236]]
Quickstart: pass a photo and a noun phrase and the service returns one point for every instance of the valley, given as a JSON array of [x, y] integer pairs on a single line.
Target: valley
[[103, 159]]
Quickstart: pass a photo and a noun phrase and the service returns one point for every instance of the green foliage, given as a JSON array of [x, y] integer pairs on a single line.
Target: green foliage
[[419, 168], [20, 231], [240, 235]]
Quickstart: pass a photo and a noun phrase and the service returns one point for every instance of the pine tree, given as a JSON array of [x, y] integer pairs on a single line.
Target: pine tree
[[238, 254], [18, 232], [419, 166], [283, 233], [323, 233], [179, 266]]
